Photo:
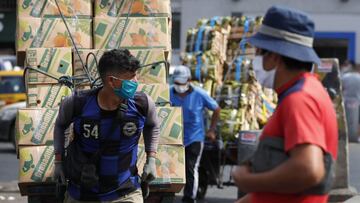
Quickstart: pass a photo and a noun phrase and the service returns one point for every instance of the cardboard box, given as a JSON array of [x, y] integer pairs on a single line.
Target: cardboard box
[[35, 126], [160, 93], [149, 74], [46, 96], [133, 32], [114, 8], [171, 125], [45, 8], [51, 32], [54, 61], [36, 164], [170, 168]]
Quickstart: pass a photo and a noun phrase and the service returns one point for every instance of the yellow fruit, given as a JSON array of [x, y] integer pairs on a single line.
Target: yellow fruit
[[138, 7], [60, 41]]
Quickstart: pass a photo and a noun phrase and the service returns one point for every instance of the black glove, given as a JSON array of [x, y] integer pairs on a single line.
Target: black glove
[[59, 175], [145, 189]]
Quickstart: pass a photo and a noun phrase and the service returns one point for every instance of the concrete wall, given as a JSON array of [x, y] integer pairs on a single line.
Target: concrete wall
[[329, 15]]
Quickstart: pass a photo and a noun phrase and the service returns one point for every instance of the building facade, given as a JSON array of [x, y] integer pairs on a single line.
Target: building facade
[[337, 21]]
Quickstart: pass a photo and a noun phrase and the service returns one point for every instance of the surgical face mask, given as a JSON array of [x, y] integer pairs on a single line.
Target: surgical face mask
[[181, 88], [127, 89], [265, 78]]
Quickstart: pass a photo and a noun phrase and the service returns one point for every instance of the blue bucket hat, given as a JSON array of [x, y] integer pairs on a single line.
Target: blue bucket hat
[[287, 32]]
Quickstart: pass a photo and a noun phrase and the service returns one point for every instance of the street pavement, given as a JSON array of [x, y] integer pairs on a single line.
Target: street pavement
[[9, 172]]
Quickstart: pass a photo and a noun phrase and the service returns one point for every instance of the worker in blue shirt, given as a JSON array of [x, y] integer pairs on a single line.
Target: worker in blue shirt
[[193, 101]]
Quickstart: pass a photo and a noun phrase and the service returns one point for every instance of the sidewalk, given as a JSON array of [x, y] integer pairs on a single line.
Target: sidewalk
[[11, 187], [9, 193], [355, 199]]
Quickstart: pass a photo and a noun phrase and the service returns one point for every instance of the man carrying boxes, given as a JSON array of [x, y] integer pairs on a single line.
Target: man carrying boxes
[[100, 162]]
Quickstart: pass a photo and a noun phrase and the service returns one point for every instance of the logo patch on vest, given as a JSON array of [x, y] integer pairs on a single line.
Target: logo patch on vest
[[129, 129]]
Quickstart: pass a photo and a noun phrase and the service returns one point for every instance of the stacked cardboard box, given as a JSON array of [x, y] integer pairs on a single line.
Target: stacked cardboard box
[[170, 163], [132, 24], [156, 73], [39, 25], [132, 32], [114, 8], [35, 123], [48, 8], [43, 43]]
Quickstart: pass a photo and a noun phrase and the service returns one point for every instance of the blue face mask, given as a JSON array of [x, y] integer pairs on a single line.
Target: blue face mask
[[127, 89]]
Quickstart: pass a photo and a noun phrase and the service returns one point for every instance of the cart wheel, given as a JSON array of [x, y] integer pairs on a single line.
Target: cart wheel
[[203, 183]]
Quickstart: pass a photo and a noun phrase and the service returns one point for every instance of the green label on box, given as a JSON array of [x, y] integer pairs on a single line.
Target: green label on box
[[100, 30], [148, 89], [116, 34], [46, 122], [165, 116], [175, 131], [38, 8], [46, 159], [47, 59], [155, 70], [42, 33], [64, 65]]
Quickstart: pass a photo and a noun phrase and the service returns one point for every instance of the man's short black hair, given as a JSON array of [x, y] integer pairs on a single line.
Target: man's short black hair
[[119, 61], [293, 64]]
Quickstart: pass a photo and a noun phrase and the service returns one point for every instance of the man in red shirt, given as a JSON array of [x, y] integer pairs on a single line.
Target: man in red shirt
[[294, 162]]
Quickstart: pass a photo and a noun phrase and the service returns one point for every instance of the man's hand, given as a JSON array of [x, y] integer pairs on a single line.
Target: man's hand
[[240, 175], [59, 172], [211, 135], [149, 172], [245, 199]]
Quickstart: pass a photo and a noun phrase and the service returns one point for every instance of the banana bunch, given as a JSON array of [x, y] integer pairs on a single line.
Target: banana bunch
[[208, 86], [241, 29], [206, 42], [204, 67], [238, 24], [230, 124], [216, 22], [228, 95]]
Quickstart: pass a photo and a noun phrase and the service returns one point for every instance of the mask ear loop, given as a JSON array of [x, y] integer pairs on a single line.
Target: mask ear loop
[[313, 69]]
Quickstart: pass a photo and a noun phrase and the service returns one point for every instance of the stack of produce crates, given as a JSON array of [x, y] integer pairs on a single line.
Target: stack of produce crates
[[205, 52], [142, 26], [245, 104], [43, 43], [39, 24]]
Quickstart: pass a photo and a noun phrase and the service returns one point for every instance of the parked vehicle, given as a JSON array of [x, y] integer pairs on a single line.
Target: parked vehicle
[[7, 121], [12, 88]]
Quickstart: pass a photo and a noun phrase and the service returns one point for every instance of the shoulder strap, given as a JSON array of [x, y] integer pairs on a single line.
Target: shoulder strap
[[141, 103], [80, 98]]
